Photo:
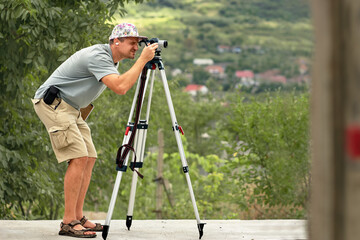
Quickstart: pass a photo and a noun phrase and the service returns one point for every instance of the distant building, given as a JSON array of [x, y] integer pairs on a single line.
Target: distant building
[[203, 61], [300, 79], [175, 72], [278, 79], [246, 77], [193, 89], [272, 76], [303, 69], [236, 50], [246, 74], [216, 71], [223, 48]]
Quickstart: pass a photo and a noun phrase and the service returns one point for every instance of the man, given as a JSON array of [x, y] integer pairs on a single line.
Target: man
[[74, 85]]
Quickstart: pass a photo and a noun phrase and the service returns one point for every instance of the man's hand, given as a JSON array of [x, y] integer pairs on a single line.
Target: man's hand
[[120, 84], [148, 52]]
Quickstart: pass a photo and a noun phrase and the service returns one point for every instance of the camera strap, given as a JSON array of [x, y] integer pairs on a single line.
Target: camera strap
[[120, 157]]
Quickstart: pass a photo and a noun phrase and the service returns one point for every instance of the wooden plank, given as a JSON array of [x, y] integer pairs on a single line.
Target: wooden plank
[[320, 212], [351, 35], [334, 210]]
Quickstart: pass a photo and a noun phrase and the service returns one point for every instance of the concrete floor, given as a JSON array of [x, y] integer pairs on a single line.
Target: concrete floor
[[166, 229]]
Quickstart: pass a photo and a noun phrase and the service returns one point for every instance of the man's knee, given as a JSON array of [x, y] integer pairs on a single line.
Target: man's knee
[[78, 162], [91, 161]]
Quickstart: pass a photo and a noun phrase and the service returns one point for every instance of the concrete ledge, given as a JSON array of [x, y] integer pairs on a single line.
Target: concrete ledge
[[166, 229]]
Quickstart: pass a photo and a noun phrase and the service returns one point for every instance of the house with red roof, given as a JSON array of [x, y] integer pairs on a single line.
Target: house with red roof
[[273, 76], [216, 71], [246, 77], [278, 79], [194, 89], [223, 48], [245, 74]]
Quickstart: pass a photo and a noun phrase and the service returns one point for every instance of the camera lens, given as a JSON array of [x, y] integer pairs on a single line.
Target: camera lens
[[163, 43]]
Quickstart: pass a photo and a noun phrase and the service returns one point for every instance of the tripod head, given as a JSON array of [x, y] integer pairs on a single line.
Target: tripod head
[[157, 58], [161, 43]]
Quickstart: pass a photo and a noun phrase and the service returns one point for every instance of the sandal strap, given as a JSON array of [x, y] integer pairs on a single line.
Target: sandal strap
[[83, 220], [71, 224], [74, 223]]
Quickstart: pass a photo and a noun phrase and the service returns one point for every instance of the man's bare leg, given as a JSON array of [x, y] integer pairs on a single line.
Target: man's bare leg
[[72, 186], [84, 187]]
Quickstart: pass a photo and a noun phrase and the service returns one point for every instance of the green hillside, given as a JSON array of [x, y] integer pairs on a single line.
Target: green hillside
[[271, 34]]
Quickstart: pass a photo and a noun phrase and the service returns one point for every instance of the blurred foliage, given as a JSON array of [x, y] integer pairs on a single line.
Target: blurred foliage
[[271, 161], [254, 164]]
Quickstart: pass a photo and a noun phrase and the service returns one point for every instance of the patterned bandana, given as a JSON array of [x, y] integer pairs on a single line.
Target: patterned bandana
[[125, 30]]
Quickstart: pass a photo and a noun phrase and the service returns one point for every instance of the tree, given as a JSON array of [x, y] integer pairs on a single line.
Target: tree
[[35, 37], [200, 76], [269, 144]]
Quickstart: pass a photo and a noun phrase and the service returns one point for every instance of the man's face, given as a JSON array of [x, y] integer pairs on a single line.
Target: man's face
[[128, 47]]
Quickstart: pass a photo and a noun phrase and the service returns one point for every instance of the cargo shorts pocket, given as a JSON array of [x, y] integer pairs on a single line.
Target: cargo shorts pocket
[[35, 101], [60, 136]]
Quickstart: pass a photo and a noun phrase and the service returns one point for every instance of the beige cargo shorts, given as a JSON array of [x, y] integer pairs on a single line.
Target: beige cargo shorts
[[70, 135]]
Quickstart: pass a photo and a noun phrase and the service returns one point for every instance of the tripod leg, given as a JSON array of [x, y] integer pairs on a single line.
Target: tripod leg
[[123, 169], [140, 141], [129, 214], [106, 226], [120, 172], [138, 146], [177, 130]]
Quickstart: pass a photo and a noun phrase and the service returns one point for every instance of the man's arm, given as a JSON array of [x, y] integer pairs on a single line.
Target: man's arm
[[120, 84]]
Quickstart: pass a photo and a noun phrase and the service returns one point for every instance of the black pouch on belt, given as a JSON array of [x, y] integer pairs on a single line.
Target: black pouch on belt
[[50, 95]]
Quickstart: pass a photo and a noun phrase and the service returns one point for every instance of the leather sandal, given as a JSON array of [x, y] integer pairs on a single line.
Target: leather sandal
[[68, 230], [98, 227]]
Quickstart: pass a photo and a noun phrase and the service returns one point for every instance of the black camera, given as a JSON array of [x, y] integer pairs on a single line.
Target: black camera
[[162, 43]]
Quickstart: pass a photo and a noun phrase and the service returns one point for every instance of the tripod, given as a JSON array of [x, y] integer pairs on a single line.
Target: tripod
[[140, 127]]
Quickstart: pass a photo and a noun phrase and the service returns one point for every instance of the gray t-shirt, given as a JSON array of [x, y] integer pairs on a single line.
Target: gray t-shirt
[[78, 78]]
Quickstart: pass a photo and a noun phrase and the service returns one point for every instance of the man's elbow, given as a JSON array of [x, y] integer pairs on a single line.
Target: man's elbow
[[114, 83], [120, 90]]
